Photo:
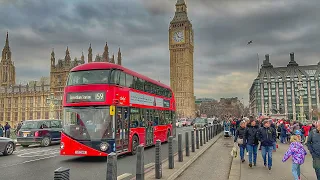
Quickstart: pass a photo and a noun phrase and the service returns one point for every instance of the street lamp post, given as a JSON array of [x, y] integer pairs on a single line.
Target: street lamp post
[[52, 102], [301, 92]]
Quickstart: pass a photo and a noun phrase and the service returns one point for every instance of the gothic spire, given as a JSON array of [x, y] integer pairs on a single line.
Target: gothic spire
[[112, 59], [67, 58], [82, 58], [53, 59], [105, 54], [90, 54], [292, 61], [119, 57], [7, 40], [181, 12]]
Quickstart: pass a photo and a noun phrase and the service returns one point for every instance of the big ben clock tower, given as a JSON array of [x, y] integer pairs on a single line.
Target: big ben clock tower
[[181, 61]]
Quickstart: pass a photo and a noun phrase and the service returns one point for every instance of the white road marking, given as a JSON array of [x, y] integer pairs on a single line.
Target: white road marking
[[37, 154], [39, 151], [123, 176], [29, 161], [35, 149]]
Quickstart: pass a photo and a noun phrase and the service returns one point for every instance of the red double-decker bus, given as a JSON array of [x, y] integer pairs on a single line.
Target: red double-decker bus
[[109, 108]]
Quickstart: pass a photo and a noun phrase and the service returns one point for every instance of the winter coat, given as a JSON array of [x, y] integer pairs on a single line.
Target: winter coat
[[313, 143], [283, 132], [297, 151], [267, 136], [240, 133], [250, 135]]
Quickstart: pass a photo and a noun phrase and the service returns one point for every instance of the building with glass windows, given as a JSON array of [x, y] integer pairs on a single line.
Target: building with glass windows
[[275, 90]]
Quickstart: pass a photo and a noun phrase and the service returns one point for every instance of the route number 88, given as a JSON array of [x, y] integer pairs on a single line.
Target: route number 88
[[99, 96]]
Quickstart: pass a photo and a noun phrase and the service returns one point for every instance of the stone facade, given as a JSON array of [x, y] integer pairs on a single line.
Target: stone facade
[[181, 46], [275, 90], [23, 102]]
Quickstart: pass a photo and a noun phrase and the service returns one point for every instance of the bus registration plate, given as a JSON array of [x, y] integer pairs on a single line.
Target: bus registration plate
[[80, 152]]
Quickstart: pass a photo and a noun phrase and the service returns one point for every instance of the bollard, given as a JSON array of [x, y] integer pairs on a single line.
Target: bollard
[[180, 151], [112, 166], [207, 134], [140, 163], [210, 133], [204, 135], [193, 148], [201, 136], [158, 161], [215, 129], [197, 139], [171, 155], [62, 174], [187, 144], [211, 129]]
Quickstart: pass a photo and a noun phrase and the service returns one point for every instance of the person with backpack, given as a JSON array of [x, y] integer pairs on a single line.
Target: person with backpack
[[297, 152], [313, 144]]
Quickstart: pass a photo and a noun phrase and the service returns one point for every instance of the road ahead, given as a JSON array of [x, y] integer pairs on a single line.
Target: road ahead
[[37, 163]]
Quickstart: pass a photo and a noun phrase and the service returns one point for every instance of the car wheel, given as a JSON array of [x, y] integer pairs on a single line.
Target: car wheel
[[134, 145], [9, 149], [46, 141]]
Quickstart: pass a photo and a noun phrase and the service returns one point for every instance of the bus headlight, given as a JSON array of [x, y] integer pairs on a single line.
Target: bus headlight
[[61, 145], [104, 146]]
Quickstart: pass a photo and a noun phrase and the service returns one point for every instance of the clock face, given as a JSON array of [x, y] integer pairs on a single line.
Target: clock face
[[178, 36]]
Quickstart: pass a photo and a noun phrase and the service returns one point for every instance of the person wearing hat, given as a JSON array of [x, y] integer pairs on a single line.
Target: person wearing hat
[[267, 136]]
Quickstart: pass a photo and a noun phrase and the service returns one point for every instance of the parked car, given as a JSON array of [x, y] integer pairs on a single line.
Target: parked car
[[189, 122], [7, 146], [183, 121], [43, 132]]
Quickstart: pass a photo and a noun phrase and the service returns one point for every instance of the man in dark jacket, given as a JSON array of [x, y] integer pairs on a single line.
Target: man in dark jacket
[[267, 136], [313, 144], [239, 138], [252, 142]]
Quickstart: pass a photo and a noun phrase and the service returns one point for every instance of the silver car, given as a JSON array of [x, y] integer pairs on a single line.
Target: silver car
[[7, 146]]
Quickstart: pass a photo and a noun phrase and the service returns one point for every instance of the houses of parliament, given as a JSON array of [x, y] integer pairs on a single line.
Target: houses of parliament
[[20, 102]]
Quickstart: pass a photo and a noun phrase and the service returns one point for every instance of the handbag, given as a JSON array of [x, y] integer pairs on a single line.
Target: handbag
[[240, 141]]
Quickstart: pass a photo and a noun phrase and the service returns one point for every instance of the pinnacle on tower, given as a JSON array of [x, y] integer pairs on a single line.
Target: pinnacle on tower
[[181, 12], [119, 57], [292, 61], [105, 54], [53, 59], [90, 54], [112, 59], [7, 40], [180, 2]]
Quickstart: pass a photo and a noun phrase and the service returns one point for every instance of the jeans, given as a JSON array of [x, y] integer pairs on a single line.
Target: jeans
[[264, 151], [296, 171], [283, 139], [252, 149], [242, 148], [274, 146], [233, 131]]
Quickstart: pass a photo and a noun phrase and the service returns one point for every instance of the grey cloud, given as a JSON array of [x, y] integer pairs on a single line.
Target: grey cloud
[[140, 28]]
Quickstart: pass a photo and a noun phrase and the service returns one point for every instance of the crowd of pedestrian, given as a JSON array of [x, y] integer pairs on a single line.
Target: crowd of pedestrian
[[262, 133], [6, 130]]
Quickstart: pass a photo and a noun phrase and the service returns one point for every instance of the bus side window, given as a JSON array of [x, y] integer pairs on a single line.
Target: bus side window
[[156, 118], [122, 79], [114, 79], [142, 117], [161, 117]]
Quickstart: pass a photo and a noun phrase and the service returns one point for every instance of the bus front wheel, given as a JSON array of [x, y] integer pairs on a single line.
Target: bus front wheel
[[134, 144]]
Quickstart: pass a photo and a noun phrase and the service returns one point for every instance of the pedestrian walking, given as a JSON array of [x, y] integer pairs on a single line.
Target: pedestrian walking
[[7, 128], [267, 136], [313, 144], [252, 141], [239, 138], [297, 152], [1, 130]]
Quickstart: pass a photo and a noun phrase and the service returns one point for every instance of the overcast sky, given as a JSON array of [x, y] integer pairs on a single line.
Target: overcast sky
[[224, 65]]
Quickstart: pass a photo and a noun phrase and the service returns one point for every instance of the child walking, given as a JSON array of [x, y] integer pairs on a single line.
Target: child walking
[[298, 153]]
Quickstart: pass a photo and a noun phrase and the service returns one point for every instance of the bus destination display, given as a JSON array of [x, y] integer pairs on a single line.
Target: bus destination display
[[86, 97]]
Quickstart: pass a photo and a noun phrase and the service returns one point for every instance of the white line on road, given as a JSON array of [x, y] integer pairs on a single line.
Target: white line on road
[[29, 161], [43, 150], [30, 155], [123, 176], [36, 149]]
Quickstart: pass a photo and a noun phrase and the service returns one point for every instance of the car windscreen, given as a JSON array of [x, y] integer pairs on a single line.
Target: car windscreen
[[34, 125], [200, 120]]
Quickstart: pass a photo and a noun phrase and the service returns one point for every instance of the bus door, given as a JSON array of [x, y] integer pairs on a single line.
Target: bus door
[[122, 132], [149, 127]]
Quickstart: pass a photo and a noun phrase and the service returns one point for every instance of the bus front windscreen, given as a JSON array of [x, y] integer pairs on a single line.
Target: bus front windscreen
[[88, 123], [88, 77]]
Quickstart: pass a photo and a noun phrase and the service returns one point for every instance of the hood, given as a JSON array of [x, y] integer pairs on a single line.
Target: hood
[[297, 145]]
